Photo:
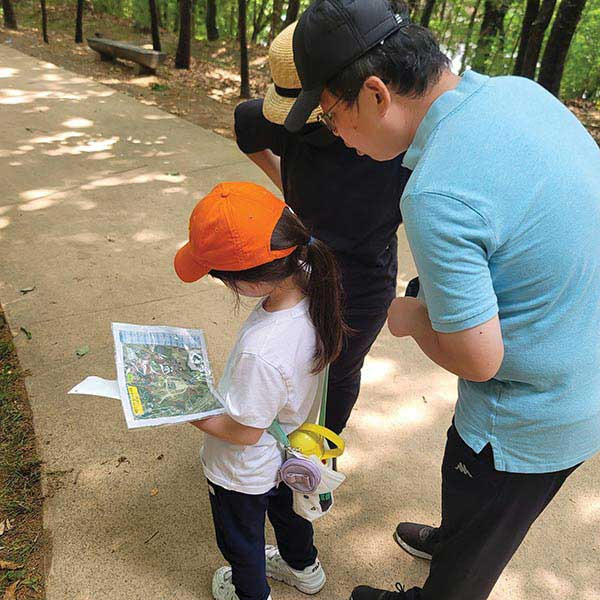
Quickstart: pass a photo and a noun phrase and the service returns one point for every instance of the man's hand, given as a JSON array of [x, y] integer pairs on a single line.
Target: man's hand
[[474, 354], [407, 316]]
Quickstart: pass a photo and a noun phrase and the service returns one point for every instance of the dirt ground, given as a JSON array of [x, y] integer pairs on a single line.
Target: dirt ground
[[206, 94], [21, 537]]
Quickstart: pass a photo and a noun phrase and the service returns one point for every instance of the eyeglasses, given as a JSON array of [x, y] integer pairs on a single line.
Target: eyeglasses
[[327, 117]]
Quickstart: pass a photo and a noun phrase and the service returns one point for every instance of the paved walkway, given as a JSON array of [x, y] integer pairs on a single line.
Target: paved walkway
[[97, 188]]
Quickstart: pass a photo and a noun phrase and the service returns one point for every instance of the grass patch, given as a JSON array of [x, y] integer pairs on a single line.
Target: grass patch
[[20, 490]]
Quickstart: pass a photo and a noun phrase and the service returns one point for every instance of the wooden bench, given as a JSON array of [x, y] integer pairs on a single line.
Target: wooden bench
[[146, 60]]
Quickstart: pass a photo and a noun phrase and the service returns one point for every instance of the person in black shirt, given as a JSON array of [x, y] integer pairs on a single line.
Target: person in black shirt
[[350, 202]]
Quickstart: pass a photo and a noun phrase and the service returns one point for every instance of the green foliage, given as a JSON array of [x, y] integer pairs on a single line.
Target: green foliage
[[451, 21], [582, 73]]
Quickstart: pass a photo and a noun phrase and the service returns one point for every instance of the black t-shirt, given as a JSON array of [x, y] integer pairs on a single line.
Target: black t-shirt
[[350, 202]]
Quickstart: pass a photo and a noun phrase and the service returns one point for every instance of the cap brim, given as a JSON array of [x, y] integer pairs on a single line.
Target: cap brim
[[276, 108], [306, 102], [188, 269]]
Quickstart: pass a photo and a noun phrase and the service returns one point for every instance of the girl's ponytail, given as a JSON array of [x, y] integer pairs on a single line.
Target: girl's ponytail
[[315, 271], [324, 291]]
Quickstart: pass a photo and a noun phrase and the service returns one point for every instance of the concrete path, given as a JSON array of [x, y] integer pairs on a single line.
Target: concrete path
[[97, 188]]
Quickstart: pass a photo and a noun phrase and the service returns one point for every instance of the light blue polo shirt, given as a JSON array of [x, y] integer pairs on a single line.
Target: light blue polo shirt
[[502, 214]]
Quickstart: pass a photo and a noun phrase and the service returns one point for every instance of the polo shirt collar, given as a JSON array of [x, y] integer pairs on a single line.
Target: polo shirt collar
[[470, 83]]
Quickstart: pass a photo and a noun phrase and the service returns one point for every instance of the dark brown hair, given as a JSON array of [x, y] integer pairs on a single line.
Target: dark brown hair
[[315, 271]]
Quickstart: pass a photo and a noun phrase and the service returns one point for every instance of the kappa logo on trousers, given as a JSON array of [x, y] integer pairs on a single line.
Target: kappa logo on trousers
[[463, 469]]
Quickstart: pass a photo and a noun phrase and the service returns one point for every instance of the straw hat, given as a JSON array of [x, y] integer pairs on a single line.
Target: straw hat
[[286, 86]]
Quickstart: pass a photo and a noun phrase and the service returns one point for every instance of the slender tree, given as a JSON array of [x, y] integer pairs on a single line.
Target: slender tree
[[10, 19], [212, 32], [427, 12], [536, 38], [276, 18], [244, 70], [79, 23], [413, 8], [44, 21], [557, 48], [465, 56], [531, 11], [154, 25], [184, 47], [259, 20], [491, 25], [292, 12]]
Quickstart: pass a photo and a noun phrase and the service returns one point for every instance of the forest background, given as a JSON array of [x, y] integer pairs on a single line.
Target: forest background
[[217, 49]]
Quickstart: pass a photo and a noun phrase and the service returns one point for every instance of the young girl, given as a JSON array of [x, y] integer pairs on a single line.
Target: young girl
[[246, 237]]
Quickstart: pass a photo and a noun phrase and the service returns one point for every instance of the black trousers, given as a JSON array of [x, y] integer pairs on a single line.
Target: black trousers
[[485, 516], [344, 372], [239, 521]]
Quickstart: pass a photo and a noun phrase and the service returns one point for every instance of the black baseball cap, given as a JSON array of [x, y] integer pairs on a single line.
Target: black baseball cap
[[330, 35]]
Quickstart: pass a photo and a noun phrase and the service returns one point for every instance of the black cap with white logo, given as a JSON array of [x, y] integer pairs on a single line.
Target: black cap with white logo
[[330, 35]]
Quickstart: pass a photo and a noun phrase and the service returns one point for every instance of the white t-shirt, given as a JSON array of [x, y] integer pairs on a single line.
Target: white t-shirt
[[268, 375]]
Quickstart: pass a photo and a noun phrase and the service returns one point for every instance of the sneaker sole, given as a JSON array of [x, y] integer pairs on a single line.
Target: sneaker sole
[[412, 551], [309, 590]]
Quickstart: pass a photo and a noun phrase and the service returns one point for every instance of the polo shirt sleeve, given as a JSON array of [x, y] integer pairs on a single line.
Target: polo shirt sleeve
[[256, 392], [451, 244], [253, 132]]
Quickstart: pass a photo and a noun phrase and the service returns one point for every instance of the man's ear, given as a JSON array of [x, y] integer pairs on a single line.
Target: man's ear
[[375, 88]]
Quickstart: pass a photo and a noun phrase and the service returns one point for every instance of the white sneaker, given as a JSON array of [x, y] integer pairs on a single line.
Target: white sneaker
[[222, 586], [308, 581]]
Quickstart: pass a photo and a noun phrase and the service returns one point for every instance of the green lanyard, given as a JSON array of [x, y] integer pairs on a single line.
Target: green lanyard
[[277, 431]]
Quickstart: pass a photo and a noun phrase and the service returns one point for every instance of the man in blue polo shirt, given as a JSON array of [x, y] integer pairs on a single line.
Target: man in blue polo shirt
[[505, 231]]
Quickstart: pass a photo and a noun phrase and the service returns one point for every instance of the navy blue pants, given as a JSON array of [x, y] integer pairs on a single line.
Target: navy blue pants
[[239, 521]]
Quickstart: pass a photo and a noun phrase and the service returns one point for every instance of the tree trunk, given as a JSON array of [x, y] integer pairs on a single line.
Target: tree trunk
[[531, 12], [212, 32], [79, 23], [154, 25], [427, 12], [10, 19], [491, 26], [184, 47], [413, 8], [44, 21], [276, 18], [244, 70], [557, 48], [465, 55], [260, 20], [536, 38], [292, 13]]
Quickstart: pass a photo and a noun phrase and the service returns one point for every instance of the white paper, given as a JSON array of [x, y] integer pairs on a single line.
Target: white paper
[[96, 386]]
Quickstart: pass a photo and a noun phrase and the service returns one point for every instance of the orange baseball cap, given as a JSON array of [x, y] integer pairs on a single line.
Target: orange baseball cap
[[230, 230]]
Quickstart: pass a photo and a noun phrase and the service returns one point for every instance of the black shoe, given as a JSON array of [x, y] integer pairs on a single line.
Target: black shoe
[[364, 592], [418, 540]]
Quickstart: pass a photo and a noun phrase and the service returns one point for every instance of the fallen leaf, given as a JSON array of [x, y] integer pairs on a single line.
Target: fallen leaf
[[9, 593], [26, 290], [82, 351], [173, 174], [9, 565], [5, 526], [154, 491], [27, 333]]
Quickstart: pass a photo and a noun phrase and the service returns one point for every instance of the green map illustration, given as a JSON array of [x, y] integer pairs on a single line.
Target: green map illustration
[[167, 381]]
